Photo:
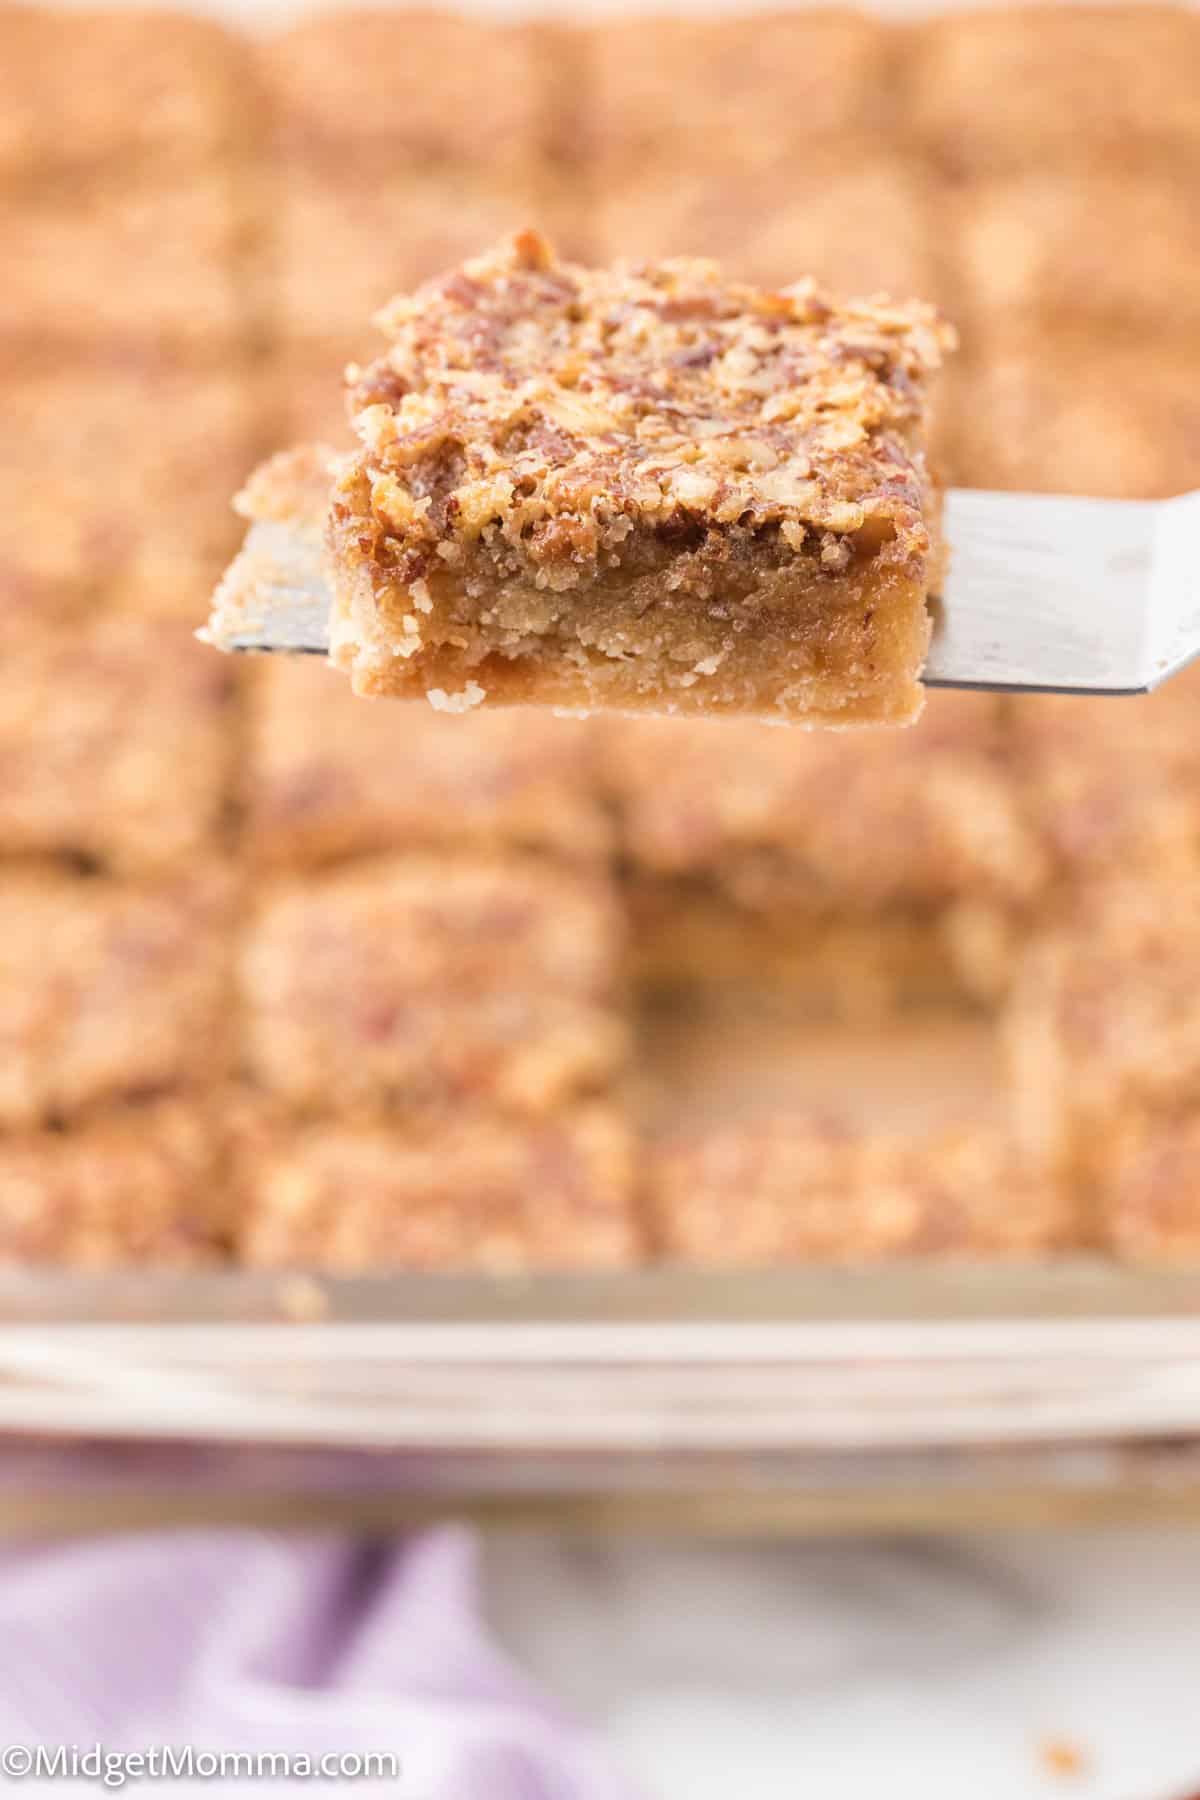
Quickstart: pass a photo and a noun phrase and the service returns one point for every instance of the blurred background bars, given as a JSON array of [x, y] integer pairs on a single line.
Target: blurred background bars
[[292, 978]]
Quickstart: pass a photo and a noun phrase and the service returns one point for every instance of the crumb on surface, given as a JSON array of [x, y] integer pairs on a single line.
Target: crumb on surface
[[1063, 1757]]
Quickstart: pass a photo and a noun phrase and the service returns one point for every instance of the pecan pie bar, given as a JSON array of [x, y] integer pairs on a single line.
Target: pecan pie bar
[[412, 982], [648, 489], [109, 990], [141, 264], [116, 744], [1039, 247], [378, 88], [1104, 1030], [726, 86], [1025, 86], [116, 477], [906, 891], [1080, 411], [933, 817], [769, 228], [82, 88], [492, 1194], [1112, 787], [1149, 1207], [138, 1184], [329, 776], [816, 1189]]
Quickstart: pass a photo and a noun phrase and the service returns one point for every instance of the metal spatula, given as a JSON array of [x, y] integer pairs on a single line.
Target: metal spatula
[[1045, 593]]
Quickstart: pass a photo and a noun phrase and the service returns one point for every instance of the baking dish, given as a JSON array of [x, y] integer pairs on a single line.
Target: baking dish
[[895, 1394], [901, 1395]]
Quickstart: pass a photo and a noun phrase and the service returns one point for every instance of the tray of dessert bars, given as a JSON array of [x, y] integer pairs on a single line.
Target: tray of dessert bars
[[631, 1115]]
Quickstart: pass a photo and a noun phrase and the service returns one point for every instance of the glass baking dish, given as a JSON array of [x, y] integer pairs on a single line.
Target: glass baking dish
[[898, 1395], [908, 1394]]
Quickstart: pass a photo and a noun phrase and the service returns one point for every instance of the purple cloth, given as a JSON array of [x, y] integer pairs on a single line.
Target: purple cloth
[[252, 1641]]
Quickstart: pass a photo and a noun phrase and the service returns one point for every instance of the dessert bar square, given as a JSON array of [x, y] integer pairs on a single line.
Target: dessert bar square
[[370, 88], [1112, 785], [116, 475], [497, 1195], [1149, 1207], [1024, 86], [135, 1185], [1080, 411], [149, 264], [822, 1190], [932, 818], [423, 981], [116, 744], [80, 89], [859, 224], [909, 891], [728, 86], [1039, 247], [329, 776], [1103, 1029], [108, 990], [644, 489]]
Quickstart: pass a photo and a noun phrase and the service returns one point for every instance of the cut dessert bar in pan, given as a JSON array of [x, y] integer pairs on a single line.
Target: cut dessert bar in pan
[[110, 990], [1112, 788], [1104, 1029], [420, 981], [142, 264], [726, 87], [84, 88], [768, 224], [375, 88], [137, 1184], [933, 817], [781, 1188], [329, 776], [116, 475], [116, 744], [492, 1194], [1149, 1206], [1039, 246], [1026, 86], [644, 489], [1079, 411]]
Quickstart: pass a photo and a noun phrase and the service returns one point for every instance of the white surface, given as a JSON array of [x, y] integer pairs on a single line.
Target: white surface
[[923, 1670]]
